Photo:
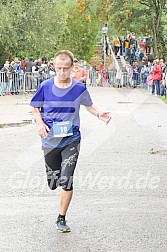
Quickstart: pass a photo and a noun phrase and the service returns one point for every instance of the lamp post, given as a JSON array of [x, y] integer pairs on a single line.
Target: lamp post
[[104, 32]]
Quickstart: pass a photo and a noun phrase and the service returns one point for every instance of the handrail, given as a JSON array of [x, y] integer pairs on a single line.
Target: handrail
[[114, 59]]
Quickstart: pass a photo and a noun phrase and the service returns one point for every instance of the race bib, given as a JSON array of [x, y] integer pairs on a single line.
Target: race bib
[[62, 129]]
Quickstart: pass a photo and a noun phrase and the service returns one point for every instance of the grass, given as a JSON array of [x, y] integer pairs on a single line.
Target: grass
[[163, 98]]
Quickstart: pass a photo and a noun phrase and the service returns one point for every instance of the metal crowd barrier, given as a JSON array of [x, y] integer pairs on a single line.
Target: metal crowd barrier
[[112, 78], [116, 77], [11, 82], [15, 83], [33, 80]]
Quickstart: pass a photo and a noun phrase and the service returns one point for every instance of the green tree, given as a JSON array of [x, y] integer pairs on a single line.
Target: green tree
[[156, 9], [81, 33], [31, 27]]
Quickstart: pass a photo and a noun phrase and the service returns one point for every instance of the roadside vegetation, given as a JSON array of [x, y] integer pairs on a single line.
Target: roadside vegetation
[[41, 27]]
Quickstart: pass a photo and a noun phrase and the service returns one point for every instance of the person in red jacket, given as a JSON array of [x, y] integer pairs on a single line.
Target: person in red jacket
[[79, 73], [157, 76]]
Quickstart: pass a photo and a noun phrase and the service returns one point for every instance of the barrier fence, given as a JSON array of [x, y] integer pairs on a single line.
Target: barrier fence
[[15, 83]]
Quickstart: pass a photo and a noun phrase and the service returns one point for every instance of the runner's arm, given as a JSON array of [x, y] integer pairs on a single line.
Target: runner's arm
[[104, 116], [42, 127]]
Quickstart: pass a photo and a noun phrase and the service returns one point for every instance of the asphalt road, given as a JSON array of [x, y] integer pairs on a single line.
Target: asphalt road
[[119, 202]]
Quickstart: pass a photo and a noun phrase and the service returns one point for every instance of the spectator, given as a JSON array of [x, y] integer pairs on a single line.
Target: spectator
[[12, 78], [126, 46], [100, 70], [135, 75], [157, 76], [137, 55], [149, 82], [117, 45], [18, 76], [4, 82], [23, 65], [79, 73], [28, 65]]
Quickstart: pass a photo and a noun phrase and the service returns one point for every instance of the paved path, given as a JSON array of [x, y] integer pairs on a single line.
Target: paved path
[[119, 201]]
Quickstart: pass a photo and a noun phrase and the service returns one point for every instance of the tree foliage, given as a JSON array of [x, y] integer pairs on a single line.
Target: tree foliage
[[29, 27], [39, 28], [156, 9], [142, 17]]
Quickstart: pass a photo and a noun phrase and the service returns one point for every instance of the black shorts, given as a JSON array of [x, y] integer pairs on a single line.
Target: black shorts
[[60, 164]]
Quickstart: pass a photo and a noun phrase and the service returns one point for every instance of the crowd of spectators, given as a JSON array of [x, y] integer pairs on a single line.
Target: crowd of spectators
[[28, 72], [142, 69]]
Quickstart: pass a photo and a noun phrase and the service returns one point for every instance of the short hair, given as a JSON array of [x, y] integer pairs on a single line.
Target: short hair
[[64, 54], [75, 60]]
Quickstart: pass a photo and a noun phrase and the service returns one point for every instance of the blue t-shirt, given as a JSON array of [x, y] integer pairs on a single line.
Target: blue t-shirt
[[60, 107]]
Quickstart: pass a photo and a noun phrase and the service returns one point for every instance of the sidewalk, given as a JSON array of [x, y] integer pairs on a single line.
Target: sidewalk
[[15, 109], [120, 186]]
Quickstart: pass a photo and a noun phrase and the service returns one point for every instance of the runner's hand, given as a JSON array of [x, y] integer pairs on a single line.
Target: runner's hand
[[43, 130], [105, 117]]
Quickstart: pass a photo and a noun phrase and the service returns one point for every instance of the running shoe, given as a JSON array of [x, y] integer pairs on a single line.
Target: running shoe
[[62, 226]]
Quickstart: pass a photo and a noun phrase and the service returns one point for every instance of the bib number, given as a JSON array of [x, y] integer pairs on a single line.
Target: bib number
[[62, 129]]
